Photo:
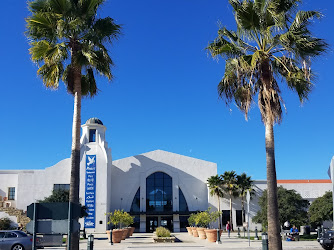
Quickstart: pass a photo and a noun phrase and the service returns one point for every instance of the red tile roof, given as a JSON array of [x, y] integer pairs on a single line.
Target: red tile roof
[[303, 181]]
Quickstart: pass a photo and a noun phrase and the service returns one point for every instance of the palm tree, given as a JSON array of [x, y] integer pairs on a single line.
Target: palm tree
[[215, 184], [68, 42], [244, 184], [230, 187], [272, 44]]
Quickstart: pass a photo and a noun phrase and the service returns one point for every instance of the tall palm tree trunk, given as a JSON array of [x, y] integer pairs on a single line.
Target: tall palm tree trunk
[[274, 237], [231, 220], [219, 218], [243, 209], [75, 156]]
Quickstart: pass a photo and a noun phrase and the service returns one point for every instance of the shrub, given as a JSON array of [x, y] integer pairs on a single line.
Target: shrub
[[191, 220], [162, 232], [120, 218], [202, 219], [5, 224], [127, 220]]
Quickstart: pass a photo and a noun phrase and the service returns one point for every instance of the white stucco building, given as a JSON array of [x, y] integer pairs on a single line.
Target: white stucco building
[[157, 187]]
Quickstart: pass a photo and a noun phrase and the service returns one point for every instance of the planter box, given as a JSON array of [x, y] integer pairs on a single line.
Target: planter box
[[211, 234], [117, 235], [201, 233], [132, 229], [195, 233], [190, 231], [163, 239]]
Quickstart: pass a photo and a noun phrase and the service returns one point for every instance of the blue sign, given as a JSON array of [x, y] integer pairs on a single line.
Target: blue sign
[[90, 190]]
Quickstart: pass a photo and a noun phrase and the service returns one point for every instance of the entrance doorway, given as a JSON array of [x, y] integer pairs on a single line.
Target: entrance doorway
[[152, 222]]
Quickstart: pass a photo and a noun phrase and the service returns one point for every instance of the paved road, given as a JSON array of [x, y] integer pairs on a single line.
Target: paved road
[[142, 241]]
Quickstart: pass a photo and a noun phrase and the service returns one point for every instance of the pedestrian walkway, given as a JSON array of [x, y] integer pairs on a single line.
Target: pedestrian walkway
[[142, 241]]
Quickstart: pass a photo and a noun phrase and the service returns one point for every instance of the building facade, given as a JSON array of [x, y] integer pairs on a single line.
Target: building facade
[[158, 188]]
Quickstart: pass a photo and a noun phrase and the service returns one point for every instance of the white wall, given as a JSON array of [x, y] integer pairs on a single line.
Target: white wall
[[8, 179], [188, 174]]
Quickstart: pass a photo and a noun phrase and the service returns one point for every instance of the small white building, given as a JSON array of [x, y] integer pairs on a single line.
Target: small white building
[[157, 188]]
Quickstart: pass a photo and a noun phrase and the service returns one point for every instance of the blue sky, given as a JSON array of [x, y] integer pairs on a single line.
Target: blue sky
[[163, 95]]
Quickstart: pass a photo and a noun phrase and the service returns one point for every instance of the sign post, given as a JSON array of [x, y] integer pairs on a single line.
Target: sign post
[[248, 201], [34, 227], [331, 175], [69, 225]]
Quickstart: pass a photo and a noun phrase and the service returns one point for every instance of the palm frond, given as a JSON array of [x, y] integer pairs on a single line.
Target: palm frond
[[60, 6], [50, 53], [103, 30], [298, 38], [89, 7], [51, 74], [247, 18], [88, 84], [298, 79]]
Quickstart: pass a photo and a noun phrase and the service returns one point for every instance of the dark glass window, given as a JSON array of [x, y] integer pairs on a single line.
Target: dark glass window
[[92, 135], [11, 193], [238, 214], [10, 235], [159, 194], [135, 207], [61, 187], [183, 207], [136, 223], [184, 223], [225, 216]]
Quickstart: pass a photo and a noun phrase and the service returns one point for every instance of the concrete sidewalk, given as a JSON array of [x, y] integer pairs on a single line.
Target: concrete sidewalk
[[141, 241]]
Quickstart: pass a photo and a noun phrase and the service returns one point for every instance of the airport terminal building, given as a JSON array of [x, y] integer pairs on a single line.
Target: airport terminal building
[[157, 188]]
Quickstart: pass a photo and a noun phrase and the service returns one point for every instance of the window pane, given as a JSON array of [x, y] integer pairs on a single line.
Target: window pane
[[239, 217], [92, 135], [11, 193], [159, 175], [159, 193], [61, 187], [182, 202], [168, 182], [11, 235], [150, 182], [135, 207]]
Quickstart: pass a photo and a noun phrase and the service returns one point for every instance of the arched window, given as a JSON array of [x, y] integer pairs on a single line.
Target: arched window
[[135, 207], [159, 193], [183, 206]]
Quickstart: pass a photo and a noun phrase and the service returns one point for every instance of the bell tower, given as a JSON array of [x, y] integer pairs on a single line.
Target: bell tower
[[95, 166]]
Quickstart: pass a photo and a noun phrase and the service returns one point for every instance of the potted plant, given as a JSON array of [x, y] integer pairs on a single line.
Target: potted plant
[[211, 233], [191, 222], [116, 219], [127, 221], [194, 229], [202, 220]]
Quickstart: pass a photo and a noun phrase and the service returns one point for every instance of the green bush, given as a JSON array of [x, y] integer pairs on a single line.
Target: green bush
[[191, 220], [202, 219], [127, 220], [5, 224], [119, 218], [162, 232]]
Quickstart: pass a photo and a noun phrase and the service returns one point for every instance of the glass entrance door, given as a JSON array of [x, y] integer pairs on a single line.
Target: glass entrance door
[[151, 224], [167, 222]]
